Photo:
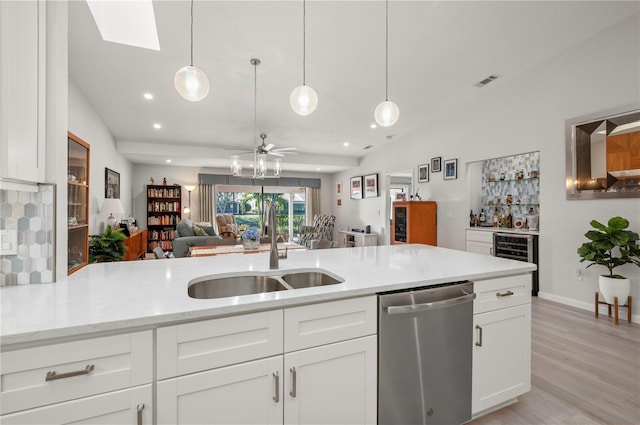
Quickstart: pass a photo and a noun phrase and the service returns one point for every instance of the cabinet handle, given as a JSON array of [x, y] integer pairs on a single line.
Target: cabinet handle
[[140, 408], [491, 250], [293, 391], [276, 397], [479, 342], [506, 294], [52, 375]]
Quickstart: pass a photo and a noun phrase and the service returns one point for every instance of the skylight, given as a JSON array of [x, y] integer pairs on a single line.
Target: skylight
[[126, 22]]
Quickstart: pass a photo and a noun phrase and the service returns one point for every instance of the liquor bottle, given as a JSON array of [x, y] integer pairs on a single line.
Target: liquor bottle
[[471, 219], [495, 217], [482, 217], [509, 219]]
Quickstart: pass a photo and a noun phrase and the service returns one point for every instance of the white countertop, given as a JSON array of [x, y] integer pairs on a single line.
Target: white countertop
[[505, 230], [137, 294]]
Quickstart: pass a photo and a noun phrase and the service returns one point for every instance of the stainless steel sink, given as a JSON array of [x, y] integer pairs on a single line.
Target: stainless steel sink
[[234, 286], [257, 283], [299, 280]]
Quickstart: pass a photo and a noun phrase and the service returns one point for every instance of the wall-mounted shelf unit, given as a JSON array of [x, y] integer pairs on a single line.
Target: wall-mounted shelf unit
[[164, 206], [77, 203]]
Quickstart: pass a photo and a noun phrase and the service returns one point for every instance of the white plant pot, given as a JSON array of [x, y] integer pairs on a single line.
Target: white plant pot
[[612, 287]]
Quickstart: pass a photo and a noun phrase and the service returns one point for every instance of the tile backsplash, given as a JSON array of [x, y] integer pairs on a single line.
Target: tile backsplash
[[31, 214]]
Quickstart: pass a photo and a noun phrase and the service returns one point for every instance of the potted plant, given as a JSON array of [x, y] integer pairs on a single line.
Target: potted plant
[[108, 246], [251, 238], [611, 246]]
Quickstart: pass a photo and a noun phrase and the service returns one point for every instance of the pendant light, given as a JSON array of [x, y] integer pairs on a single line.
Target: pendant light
[[304, 99], [191, 83], [387, 112]]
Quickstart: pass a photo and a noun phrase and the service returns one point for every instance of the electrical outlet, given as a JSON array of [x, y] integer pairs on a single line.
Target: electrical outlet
[[577, 275], [8, 242]]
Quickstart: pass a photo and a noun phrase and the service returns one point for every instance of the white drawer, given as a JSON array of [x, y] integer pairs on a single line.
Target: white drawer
[[199, 346], [480, 236], [494, 294], [110, 363], [318, 324]]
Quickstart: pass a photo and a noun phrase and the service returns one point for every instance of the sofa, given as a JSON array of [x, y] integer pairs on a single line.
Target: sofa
[[188, 234]]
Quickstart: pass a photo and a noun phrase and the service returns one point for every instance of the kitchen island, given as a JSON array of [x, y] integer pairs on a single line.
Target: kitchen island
[[144, 307]]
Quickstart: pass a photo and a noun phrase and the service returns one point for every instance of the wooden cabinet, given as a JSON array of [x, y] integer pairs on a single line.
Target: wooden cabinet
[[502, 346], [77, 203], [269, 367], [414, 222], [22, 90], [348, 239], [136, 245], [164, 210], [479, 241]]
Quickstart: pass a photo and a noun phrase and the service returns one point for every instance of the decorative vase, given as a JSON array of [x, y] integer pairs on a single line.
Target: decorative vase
[[250, 244], [611, 287]]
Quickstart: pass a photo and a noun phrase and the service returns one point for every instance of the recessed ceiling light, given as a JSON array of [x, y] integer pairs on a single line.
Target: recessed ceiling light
[[317, 169], [345, 144], [148, 96], [373, 126], [168, 161], [157, 126]]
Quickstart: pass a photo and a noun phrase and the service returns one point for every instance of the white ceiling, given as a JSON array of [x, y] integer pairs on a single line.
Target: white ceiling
[[438, 51]]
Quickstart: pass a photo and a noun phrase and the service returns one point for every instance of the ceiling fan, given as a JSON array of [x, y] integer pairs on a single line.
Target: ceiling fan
[[267, 149]]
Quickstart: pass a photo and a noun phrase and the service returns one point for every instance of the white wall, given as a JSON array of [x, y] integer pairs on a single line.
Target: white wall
[[522, 114], [85, 123]]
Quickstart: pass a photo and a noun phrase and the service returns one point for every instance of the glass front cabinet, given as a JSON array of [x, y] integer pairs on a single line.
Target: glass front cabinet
[[77, 203]]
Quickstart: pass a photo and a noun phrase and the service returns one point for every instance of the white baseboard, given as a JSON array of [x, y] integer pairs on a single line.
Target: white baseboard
[[635, 318]]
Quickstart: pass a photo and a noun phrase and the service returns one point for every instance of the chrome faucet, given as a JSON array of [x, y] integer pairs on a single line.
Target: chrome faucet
[[271, 228]]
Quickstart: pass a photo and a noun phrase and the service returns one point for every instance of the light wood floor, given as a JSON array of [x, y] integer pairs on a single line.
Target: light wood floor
[[584, 370]]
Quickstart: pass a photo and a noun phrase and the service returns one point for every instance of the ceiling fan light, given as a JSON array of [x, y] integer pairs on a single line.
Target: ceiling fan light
[[303, 100], [387, 113], [236, 165], [277, 168], [191, 83]]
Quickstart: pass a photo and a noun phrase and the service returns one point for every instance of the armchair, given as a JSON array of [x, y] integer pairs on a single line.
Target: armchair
[[322, 228], [227, 227]]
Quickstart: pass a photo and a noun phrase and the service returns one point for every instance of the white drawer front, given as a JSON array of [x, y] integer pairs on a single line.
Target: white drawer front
[[318, 324], [115, 362], [199, 346], [493, 294], [480, 236]]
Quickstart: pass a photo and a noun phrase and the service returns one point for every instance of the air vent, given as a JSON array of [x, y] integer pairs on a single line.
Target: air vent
[[367, 147], [487, 80]]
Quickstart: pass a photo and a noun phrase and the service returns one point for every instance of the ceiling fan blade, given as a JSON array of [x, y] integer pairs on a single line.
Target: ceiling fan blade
[[275, 153], [268, 147], [284, 149]]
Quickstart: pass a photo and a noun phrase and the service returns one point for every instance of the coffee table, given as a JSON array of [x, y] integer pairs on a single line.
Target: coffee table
[[204, 251]]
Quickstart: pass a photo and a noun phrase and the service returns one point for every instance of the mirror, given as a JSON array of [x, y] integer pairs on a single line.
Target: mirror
[[603, 155]]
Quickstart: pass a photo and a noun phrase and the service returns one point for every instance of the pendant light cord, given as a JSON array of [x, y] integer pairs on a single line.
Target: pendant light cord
[[191, 32], [304, 42], [255, 103], [386, 48]]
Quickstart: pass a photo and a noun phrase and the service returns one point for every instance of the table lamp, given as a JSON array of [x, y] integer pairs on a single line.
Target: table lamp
[[112, 205]]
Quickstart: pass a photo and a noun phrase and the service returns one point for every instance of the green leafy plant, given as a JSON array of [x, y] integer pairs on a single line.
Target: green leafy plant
[[108, 246], [611, 245]]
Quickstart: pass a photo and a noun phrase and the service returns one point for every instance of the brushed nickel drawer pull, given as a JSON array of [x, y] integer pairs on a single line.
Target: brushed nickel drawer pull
[[293, 391], [479, 343], [52, 375], [506, 294], [276, 397], [140, 408]]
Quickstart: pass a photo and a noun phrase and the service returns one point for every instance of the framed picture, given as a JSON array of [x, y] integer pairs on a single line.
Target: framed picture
[[435, 164], [371, 186], [356, 187], [450, 169], [339, 188], [401, 196], [339, 202], [423, 173], [111, 184]]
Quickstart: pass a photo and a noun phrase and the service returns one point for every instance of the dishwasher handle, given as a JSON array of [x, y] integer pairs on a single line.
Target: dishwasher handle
[[414, 308]]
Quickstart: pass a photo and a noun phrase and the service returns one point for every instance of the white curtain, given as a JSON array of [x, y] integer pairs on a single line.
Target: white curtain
[[312, 204], [207, 207]]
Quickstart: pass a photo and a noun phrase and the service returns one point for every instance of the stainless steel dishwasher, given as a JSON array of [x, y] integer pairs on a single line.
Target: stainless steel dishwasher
[[425, 339]]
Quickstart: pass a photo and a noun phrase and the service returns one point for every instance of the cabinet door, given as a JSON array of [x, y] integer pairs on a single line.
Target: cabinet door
[[130, 406], [332, 384], [501, 356], [22, 90], [247, 393], [480, 247]]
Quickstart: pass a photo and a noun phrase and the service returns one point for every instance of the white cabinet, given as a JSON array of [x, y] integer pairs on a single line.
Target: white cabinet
[[130, 406], [502, 341], [348, 239], [22, 90], [265, 368], [480, 241]]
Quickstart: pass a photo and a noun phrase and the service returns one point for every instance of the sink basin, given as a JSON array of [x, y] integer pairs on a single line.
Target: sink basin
[[308, 279], [234, 286]]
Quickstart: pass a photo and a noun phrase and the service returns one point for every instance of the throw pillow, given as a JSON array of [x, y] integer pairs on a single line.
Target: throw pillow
[[232, 228], [185, 228], [209, 229], [199, 231]]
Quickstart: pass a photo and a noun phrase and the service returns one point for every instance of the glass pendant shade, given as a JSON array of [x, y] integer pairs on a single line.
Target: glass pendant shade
[[387, 113], [303, 100], [261, 165], [277, 168], [191, 83], [236, 165]]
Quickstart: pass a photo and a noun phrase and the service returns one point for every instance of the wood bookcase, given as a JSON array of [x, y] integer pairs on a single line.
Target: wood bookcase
[[414, 222], [164, 209], [77, 203]]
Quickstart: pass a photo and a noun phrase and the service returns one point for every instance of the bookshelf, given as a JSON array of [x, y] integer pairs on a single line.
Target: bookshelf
[[77, 203], [164, 206]]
